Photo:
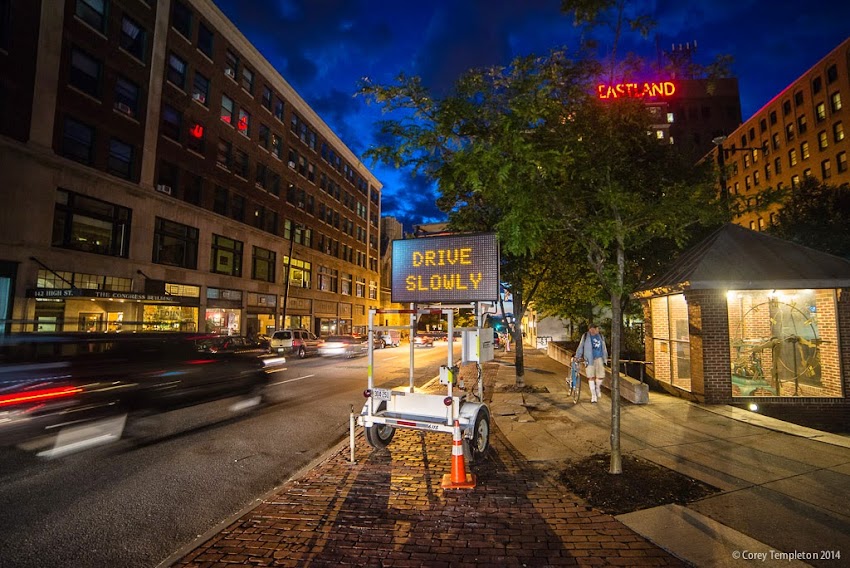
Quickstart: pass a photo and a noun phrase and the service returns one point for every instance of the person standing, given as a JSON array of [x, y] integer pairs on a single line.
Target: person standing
[[593, 351]]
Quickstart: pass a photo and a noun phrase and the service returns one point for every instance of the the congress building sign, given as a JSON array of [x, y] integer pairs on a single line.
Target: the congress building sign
[[460, 268]]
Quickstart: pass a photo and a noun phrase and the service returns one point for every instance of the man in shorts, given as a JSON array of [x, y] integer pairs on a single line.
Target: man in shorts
[[593, 351]]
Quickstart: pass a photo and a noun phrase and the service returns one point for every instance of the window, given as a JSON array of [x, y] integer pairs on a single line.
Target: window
[[823, 140], [756, 179], [747, 183], [838, 131], [175, 244], [804, 150], [786, 108], [244, 124], [237, 208], [120, 162], [133, 38], [360, 287], [193, 191], [671, 341], [300, 272], [831, 74], [220, 199], [263, 265], [226, 109], [817, 85], [77, 141], [762, 125], [841, 160], [795, 181], [775, 139], [767, 172], [801, 123], [347, 281], [277, 146], [835, 101], [373, 290], [167, 177], [171, 122], [90, 225], [226, 257], [274, 184], [777, 165], [224, 155], [196, 141], [789, 131], [85, 73], [792, 157], [264, 136], [126, 96], [267, 98], [92, 12], [205, 40], [181, 19], [278, 109], [200, 88], [746, 161], [328, 279], [248, 80], [826, 169], [261, 176], [176, 73], [231, 64], [241, 164], [820, 111], [798, 98], [773, 118]]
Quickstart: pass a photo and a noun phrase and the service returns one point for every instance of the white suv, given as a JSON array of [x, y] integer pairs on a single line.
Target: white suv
[[298, 342]]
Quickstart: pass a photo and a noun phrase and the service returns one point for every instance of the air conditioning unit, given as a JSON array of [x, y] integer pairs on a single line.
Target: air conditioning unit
[[166, 189], [230, 73], [301, 205], [121, 107], [200, 97], [292, 165]]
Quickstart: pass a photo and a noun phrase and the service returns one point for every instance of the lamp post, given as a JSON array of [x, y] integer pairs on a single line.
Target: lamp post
[[292, 229], [721, 163]]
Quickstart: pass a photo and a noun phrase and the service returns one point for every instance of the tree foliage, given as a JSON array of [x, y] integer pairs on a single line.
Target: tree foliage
[[816, 215]]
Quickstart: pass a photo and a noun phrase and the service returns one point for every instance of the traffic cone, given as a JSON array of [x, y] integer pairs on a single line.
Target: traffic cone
[[458, 479]]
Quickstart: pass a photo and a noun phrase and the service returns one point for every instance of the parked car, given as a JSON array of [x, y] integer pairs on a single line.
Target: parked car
[[420, 340], [59, 382], [343, 346], [390, 338], [298, 342]]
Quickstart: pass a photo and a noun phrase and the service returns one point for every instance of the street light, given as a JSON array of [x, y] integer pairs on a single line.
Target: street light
[[721, 163], [292, 229]]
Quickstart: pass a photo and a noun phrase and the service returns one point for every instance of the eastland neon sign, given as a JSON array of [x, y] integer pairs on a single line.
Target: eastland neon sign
[[636, 90]]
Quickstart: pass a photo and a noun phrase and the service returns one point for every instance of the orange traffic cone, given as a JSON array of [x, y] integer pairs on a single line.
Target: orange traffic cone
[[458, 479]]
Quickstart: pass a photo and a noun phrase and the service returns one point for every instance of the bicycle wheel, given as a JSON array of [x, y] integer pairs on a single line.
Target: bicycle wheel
[[575, 386]]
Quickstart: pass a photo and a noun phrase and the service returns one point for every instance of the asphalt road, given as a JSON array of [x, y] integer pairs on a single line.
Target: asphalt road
[[134, 504]]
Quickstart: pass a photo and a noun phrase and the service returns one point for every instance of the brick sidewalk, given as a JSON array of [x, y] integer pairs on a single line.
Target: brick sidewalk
[[389, 510]]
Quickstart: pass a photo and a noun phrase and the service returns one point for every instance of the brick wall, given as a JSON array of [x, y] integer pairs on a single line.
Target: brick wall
[[709, 329]]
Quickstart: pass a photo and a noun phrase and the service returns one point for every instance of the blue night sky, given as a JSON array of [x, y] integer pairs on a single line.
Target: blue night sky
[[323, 47]]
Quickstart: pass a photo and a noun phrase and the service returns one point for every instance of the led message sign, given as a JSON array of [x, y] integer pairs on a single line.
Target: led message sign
[[460, 268], [636, 90]]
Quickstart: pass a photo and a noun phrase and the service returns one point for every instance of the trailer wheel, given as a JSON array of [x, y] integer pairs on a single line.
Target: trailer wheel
[[480, 442], [379, 436]]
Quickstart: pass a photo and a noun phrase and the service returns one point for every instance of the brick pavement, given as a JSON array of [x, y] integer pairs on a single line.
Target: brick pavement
[[388, 509]]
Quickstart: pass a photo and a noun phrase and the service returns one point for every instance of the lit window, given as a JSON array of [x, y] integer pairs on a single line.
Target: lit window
[[820, 111], [244, 125], [196, 141], [836, 101], [792, 157], [838, 131], [841, 159], [823, 139], [801, 123], [226, 109], [670, 117], [804, 150], [826, 169]]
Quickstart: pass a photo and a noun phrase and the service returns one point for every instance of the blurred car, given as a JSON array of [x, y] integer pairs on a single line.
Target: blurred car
[[420, 340], [298, 342], [50, 384], [343, 346], [390, 338], [264, 340], [231, 344]]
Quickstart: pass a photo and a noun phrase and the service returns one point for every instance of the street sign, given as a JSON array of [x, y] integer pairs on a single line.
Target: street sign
[[457, 268]]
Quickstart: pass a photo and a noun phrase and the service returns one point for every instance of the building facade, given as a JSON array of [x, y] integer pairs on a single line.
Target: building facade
[[799, 134], [160, 174]]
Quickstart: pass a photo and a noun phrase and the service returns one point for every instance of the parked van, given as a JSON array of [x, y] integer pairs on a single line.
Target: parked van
[[298, 342]]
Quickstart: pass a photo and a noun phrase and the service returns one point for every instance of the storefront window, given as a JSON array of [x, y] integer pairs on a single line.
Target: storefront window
[[784, 343], [169, 318], [670, 339], [223, 321]]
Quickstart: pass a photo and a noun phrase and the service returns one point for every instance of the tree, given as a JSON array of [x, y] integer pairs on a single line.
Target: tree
[[816, 215]]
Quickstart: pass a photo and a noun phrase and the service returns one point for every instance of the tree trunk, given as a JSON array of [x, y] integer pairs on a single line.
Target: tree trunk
[[516, 332], [616, 330]]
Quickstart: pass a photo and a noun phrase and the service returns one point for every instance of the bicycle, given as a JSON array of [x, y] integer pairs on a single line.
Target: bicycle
[[574, 381]]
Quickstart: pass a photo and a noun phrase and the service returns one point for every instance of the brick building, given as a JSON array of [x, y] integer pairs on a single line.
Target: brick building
[[745, 318], [800, 133], [158, 173]]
